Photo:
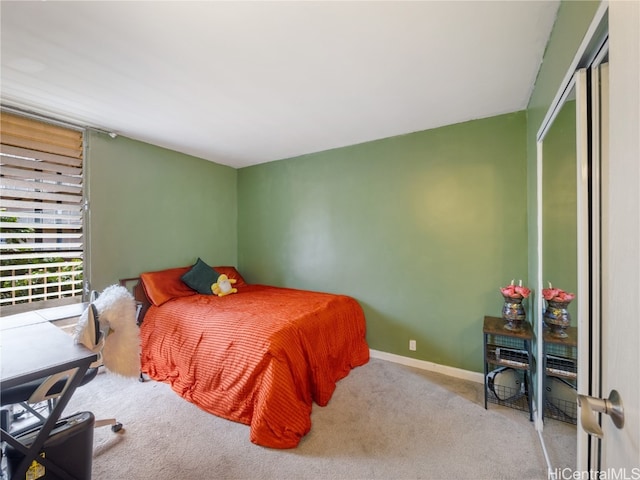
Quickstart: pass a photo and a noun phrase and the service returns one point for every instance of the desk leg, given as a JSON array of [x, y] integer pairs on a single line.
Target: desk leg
[[31, 453], [486, 368], [529, 381]]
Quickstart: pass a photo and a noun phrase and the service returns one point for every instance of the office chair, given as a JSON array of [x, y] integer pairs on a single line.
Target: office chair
[[33, 395]]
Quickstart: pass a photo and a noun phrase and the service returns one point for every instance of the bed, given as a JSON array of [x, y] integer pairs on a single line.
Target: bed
[[261, 356]]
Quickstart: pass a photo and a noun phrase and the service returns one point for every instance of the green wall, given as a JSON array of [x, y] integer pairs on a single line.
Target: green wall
[[153, 208], [422, 229]]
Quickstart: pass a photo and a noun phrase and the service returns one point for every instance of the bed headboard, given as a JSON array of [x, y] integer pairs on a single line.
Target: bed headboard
[[134, 285]]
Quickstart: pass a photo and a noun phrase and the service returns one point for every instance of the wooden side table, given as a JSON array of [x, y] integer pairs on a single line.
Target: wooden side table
[[507, 348], [560, 360]]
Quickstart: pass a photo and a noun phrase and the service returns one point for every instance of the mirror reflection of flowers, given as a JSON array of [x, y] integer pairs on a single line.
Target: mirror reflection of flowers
[[556, 295], [515, 291]]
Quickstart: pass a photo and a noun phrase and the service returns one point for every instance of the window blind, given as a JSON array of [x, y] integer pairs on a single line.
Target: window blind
[[41, 206]]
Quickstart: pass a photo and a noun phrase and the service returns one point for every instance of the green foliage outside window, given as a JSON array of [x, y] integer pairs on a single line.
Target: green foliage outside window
[[35, 286]]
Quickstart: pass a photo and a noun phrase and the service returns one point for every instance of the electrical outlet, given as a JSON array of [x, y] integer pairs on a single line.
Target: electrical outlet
[[412, 345]]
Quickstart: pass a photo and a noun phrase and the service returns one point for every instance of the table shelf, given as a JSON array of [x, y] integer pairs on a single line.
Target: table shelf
[[509, 350], [560, 359]]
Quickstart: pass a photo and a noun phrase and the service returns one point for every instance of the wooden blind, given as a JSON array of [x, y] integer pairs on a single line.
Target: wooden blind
[[41, 205]]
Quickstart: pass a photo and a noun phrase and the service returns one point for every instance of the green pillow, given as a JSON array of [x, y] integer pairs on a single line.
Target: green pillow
[[200, 277]]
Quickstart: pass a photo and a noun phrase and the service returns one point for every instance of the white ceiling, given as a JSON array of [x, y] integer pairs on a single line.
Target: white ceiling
[[242, 83]]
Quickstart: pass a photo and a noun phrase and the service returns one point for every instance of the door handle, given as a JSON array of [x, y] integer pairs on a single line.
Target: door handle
[[589, 406]]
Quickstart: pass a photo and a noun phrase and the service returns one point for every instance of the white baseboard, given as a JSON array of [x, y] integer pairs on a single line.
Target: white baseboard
[[429, 366]]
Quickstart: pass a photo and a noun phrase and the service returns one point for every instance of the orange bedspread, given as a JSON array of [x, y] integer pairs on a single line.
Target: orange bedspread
[[259, 357]]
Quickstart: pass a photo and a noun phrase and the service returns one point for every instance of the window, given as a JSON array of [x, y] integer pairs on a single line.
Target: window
[[41, 239]]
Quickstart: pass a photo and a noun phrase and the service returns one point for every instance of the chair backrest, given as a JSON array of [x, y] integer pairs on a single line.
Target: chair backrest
[[93, 322]]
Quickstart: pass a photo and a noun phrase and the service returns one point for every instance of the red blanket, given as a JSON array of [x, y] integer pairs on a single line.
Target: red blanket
[[259, 357]]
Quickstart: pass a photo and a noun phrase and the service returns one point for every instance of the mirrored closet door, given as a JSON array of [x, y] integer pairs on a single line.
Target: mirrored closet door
[[570, 143]]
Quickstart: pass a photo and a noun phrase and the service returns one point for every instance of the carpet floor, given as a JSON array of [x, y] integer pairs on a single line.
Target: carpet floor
[[385, 421]]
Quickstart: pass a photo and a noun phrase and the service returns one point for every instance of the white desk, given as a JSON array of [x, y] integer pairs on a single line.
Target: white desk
[[33, 351]]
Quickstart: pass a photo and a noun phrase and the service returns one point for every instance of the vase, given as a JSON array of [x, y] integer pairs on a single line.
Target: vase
[[513, 313], [556, 317]]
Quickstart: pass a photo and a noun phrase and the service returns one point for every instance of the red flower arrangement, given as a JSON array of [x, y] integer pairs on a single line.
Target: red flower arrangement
[[557, 295], [515, 291]]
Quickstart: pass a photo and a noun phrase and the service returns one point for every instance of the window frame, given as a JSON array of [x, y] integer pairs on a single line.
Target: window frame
[[57, 232]]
